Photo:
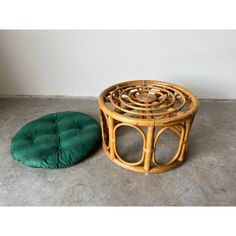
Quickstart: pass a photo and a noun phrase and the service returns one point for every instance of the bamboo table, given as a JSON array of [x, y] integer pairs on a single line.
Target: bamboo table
[[150, 104]]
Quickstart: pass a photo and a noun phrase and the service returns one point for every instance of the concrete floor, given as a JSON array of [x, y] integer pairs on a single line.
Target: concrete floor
[[207, 178]]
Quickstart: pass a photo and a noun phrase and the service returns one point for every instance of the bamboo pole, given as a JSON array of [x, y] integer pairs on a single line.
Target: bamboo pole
[[111, 137], [149, 149]]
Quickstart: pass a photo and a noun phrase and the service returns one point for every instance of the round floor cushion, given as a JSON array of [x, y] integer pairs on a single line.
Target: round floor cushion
[[56, 140]]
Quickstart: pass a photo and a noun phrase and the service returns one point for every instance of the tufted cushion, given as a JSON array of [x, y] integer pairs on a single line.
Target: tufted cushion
[[56, 140]]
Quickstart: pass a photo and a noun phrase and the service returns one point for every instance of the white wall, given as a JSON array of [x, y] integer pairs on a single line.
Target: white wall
[[85, 62]]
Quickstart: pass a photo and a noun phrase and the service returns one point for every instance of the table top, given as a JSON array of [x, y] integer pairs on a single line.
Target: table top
[[148, 100]]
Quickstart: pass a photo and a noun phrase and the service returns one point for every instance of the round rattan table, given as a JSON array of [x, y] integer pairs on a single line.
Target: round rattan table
[[147, 106]]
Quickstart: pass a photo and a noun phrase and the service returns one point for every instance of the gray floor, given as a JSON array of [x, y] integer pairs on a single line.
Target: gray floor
[[208, 177]]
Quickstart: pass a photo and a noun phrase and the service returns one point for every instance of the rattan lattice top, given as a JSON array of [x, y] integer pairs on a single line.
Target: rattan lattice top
[[149, 100]]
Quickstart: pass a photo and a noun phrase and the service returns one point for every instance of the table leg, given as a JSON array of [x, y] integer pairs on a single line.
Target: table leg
[[149, 148], [111, 136]]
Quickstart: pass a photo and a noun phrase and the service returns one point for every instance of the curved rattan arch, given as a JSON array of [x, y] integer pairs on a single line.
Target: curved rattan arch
[[115, 147], [180, 134]]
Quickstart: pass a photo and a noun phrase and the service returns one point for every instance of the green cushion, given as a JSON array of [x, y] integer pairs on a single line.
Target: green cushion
[[56, 140]]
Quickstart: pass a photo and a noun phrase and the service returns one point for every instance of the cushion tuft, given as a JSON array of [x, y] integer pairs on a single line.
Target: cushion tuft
[[56, 140]]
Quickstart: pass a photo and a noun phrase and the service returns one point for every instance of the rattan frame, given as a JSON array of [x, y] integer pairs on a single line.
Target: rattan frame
[[150, 104]]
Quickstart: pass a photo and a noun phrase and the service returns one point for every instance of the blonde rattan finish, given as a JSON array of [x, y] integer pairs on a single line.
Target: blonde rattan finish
[[151, 104]]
